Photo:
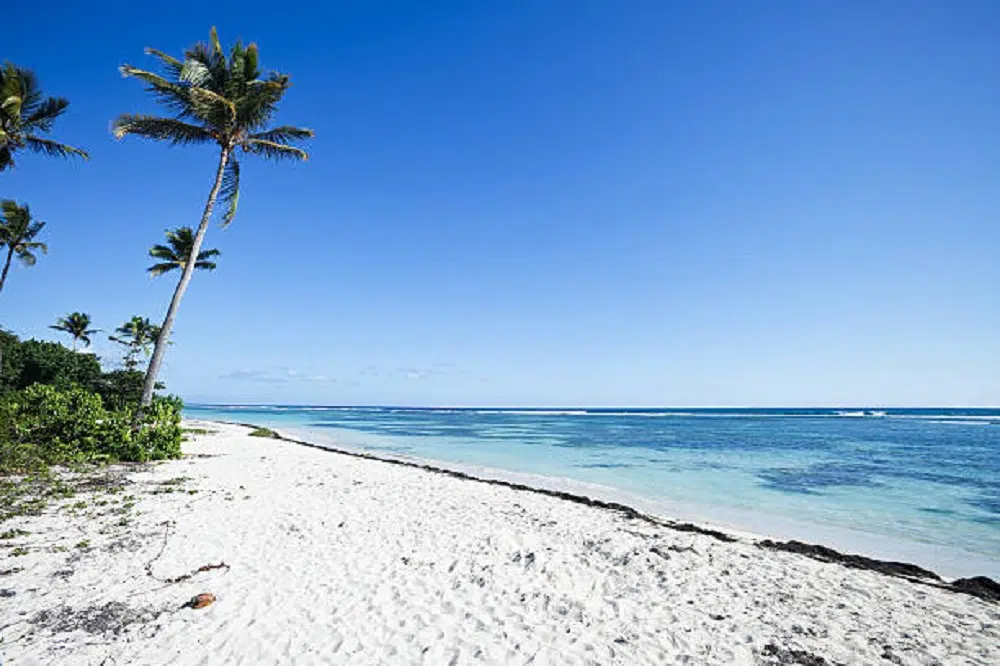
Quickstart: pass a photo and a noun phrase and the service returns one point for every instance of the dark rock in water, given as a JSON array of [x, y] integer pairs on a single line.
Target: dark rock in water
[[791, 657], [978, 586], [824, 554]]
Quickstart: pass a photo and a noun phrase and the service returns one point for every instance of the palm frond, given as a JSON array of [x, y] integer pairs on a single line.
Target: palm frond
[[177, 132], [53, 148], [274, 150], [44, 115], [205, 265], [172, 95], [284, 134], [162, 252], [29, 247], [170, 63], [156, 270], [25, 114], [216, 45], [258, 105], [213, 108], [251, 62], [230, 191], [178, 252], [195, 72]]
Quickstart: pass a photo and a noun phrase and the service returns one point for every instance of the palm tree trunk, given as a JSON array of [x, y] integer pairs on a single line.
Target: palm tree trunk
[[182, 284], [6, 267]]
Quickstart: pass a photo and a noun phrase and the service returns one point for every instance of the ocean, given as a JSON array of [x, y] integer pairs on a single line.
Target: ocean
[[921, 485]]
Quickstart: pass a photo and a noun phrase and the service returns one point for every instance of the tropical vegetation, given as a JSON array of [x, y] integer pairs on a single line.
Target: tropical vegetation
[[137, 335], [175, 254], [26, 116], [58, 404], [219, 100], [17, 236], [77, 325]]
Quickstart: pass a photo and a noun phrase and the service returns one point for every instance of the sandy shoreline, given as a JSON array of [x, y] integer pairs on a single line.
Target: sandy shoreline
[[340, 559], [949, 563]]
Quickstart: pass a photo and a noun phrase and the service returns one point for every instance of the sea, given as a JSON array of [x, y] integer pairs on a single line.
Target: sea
[[917, 485]]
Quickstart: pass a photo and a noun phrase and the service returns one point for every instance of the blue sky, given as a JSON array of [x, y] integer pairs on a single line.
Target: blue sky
[[513, 202]]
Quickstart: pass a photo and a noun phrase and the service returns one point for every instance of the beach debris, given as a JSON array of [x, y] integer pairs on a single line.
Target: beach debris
[[697, 529], [202, 600], [111, 618], [791, 657], [167, 531], [824, 554], [202, 568], [6, 593], [978, 586]]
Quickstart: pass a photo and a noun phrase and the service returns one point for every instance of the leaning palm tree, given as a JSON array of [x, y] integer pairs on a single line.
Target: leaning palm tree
[[177, 252], [77, 325], [17, 234], [25, 115], [223, 101]]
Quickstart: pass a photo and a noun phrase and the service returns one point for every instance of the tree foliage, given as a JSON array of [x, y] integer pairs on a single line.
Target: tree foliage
[[27, 116], [57, 406], [137, 335], [215, 99], [77, 325], [35, 362], [17, 236], [176, 253]]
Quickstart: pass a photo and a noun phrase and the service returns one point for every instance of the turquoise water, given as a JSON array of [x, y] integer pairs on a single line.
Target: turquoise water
[[919, 476]]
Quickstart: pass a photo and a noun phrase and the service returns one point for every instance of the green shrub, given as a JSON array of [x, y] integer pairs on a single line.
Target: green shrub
[[34, 362], [265, 432], [43, 425], [120, 389], [161, 435]]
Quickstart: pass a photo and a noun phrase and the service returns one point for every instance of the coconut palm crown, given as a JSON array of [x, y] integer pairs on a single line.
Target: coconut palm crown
[[214, 99], [25, 116], [77, 324], [137, 334], [17, 235], [177, 252]]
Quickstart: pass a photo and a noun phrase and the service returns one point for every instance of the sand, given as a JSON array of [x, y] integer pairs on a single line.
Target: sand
[[341, 560]]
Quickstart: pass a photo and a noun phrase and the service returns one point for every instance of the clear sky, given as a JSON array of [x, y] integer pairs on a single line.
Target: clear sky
[[513, 202]]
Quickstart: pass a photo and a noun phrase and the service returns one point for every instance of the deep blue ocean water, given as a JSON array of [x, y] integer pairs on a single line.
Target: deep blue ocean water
[[921, 476]]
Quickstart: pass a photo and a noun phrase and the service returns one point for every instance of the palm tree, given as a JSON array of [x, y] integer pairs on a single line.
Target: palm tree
[[177, 252], [137, 334], [25, 115], [76, 324], [17, 234], [226, 102]]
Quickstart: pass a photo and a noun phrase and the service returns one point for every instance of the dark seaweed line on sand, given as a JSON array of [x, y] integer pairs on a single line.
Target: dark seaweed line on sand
[[977, 586]]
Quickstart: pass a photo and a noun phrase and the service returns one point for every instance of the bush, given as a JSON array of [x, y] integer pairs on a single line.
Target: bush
[[34, 362], [161, 434], [44, 425], [120, 389]]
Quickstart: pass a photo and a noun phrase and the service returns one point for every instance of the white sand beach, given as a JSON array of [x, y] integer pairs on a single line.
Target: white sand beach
[[334, 559]]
